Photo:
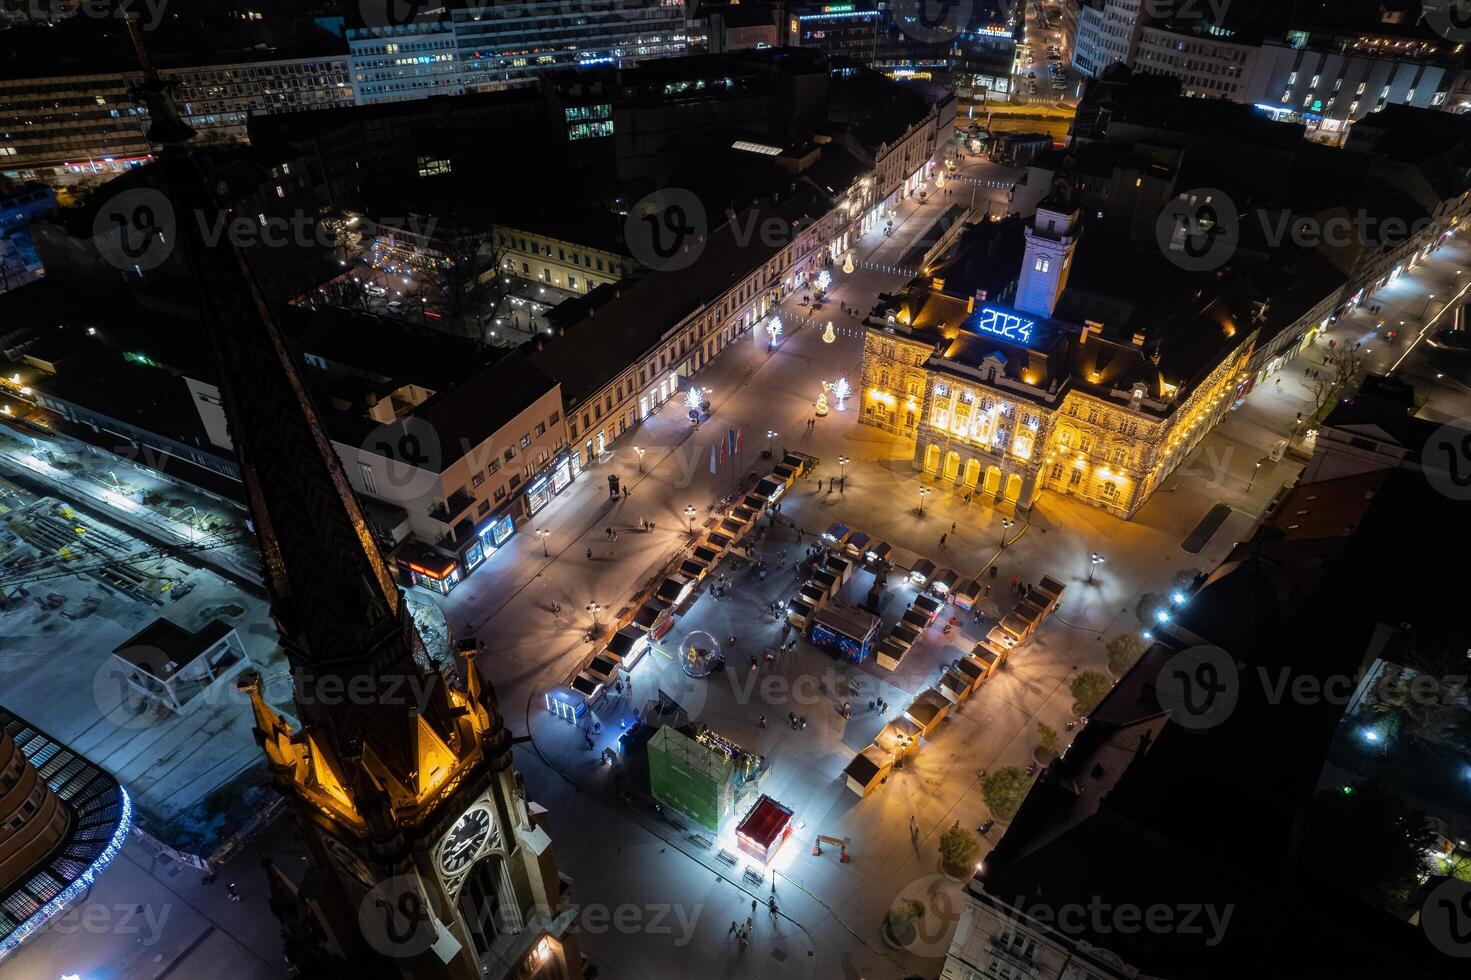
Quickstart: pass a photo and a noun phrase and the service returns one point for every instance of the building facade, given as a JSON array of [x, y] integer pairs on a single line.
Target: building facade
[[404, 61], [73, 128], [575, 265], [1107, 31], [1005, 402], [997, 941]]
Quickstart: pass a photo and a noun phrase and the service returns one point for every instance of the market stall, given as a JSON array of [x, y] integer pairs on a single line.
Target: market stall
[[921, 572], [869, 769], [967, 593], [628, 645], [928, 710], [764, 829], [890, 653], [836, 536]]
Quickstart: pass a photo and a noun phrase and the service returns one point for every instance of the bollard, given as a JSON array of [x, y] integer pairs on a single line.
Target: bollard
[[816, 847], [843, 854]]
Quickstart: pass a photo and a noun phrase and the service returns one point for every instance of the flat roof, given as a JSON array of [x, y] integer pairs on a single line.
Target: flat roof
[[163, 648]]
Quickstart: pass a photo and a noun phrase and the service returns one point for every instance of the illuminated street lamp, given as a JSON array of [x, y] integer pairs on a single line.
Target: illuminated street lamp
[[594, 608], [640, 450], [1094, 561], [923, 492], [1255, 468], [543, 533], [1006, 524], [770, 435], [689, 515], [843, 462]]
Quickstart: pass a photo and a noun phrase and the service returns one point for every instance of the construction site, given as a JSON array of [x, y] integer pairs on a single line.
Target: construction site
[[75, 588]]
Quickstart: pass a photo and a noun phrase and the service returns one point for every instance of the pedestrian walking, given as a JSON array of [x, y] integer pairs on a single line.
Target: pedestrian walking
[[771, 902], [792, 719], [589, 554], [753, 661], [761, 722], [942, 539], [733, 928], [802, 721], [233, 892], [952, 527]]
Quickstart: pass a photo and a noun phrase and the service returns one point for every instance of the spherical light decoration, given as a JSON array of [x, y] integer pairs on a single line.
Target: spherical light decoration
[[828, 333], [848, 263], [699, 654]]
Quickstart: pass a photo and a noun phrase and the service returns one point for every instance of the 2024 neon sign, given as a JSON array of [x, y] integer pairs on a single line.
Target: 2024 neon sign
[[1007, 326]]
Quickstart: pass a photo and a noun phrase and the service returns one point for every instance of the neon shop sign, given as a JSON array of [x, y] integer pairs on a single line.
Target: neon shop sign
[[1007, 326]]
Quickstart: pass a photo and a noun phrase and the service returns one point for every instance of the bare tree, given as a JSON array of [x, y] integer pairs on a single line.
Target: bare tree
[[1341, 367]]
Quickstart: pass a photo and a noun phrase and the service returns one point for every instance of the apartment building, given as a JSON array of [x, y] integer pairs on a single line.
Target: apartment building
[[67, 129]]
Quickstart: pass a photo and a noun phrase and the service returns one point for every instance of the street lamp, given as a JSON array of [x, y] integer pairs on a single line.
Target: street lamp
[[543, 533], [770, 435], [843, 462], [594, 608], [1094, 561], [640, 450], [1255, 468], [689, 515], [923, 492], [1006, 524]]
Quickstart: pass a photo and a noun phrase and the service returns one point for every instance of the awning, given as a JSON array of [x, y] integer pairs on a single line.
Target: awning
[[837, 533], [769, 488], [922, 571], [944, 580], [879, 551], [858, 542]]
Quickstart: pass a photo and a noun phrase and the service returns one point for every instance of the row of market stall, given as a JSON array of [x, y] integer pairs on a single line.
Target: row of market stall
[[656, 610], [957, 682]]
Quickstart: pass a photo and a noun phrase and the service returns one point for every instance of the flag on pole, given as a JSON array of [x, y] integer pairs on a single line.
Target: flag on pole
[[722, 450], [740, 437], [712, 457], [731, 438]]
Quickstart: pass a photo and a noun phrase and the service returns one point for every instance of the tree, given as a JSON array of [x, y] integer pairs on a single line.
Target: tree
[[958, 848], [1367, 842], [1047, 735], [902, 915], [1088, 690], [1004, 790], [1124, 652], [1341, 367]]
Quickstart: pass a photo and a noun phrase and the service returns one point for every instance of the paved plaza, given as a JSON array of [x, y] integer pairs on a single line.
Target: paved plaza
[[656, 901]]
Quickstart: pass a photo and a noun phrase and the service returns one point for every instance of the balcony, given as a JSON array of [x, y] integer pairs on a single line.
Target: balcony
[[448, 511]]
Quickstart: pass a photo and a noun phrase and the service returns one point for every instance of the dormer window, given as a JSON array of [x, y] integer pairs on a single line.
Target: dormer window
[[991, 373]]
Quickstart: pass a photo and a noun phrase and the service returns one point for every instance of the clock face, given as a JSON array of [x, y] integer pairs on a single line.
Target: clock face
[[464, 840]]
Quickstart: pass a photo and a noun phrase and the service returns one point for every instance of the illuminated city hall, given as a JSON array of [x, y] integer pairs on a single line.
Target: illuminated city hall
[[1075, 385]]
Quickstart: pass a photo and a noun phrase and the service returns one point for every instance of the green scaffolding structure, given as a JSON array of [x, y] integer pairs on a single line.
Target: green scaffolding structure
[[691, 778]]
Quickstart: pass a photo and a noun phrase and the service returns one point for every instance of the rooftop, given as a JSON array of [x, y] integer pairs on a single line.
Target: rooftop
[[163, 648], [599, 348]]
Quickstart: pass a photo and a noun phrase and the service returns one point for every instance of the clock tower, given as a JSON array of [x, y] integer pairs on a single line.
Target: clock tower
[[426, 859]]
